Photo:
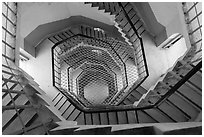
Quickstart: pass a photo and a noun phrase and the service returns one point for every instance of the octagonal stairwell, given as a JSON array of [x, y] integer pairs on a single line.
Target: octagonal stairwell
[[96, 92], [182, 106]]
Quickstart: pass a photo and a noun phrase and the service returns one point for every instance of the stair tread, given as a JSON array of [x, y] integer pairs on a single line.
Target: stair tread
[[158, 116], [74, 114], [104, 118], [197, 80], [182, 104], [144, 118], [7, 99], [172, 112], [80, 119], [26, 115], [122, 117], [191, 94], [96, 119], [68, 111], [88, 119], [8, 114], [56, 99], [60, 103], [112, 118], [131, 117], [141, 90]]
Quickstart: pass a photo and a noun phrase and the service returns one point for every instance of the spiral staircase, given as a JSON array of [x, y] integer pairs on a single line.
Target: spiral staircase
[[83, 55]]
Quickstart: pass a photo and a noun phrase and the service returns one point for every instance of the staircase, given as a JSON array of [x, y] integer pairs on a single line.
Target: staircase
[[24, 110], [86, 34], [184, 128], [157, 114], [174, 114]]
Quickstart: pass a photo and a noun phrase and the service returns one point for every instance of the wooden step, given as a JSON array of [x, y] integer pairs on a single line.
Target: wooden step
[[191, 95], [80, 119], [61, 101], [61, 35], [133, 98], [57, 98], [144, 117], [173, 112], [141, 90], [112, 116], [196, 81], [68, 112], [136, 94], [53, 40], [122, 117], [88, 118], [132, 118], [127, 101], [119, 17], [26, 116], [7, 99], [9, 115], [183, 105], [96, 119], [64, 106], [104, 118], [157, 115], [57, 37], [74, 115]]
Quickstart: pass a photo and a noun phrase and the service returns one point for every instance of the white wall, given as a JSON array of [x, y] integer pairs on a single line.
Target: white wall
[[40, 68], [160, 60], [171, 16], [33, 14]]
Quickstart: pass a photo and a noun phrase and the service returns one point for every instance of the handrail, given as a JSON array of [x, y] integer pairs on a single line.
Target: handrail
[[132, 107], [180, 83], [120, 108], [60, 42], [142, 48], [135, 31]]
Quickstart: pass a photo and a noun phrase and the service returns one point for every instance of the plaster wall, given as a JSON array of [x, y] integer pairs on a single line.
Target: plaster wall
[[170, 15], [33, 14], [159, 60], [40, 68]]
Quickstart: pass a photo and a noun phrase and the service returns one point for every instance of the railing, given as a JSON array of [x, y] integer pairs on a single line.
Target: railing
[[193, 57], [140, 56], [56, 54], [14, 77], [193, 18], [9, 18], [144, 73]]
